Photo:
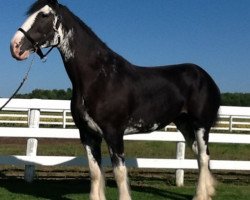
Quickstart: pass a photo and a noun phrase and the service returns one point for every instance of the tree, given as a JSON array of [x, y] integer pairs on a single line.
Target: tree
[[227, 99], [47, 94], [235, 99]]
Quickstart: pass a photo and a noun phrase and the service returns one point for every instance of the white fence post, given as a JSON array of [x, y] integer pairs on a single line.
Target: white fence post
[[180, 154], [64, 118], [31, 151], [34, 120], [230, 124]]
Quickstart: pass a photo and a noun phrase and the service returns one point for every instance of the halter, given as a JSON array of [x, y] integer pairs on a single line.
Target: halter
[[36, 45]]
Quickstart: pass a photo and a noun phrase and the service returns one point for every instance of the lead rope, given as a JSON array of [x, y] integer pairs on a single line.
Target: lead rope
[[21, 84]]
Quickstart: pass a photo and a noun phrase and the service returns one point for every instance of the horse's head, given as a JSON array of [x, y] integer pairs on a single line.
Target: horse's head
[[40, 30]]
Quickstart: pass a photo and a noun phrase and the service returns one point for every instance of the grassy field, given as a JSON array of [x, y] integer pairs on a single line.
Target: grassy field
[[74, 189], [73, 183], [143, 149]]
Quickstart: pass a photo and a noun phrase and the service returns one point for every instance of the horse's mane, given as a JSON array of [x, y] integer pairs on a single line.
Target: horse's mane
[[87, 29], [62, 10], [81, 23]]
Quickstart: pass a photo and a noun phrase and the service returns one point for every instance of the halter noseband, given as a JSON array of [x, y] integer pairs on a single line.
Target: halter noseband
[[36, 45]]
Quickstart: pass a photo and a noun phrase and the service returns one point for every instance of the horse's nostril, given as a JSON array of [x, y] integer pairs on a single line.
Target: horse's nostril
[[21, 52]]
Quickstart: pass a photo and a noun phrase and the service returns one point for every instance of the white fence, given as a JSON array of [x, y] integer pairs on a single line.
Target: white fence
[[34, 115]]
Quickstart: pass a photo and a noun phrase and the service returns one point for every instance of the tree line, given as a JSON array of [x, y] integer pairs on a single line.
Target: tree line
[[235, 99], [227, 99], [47, 94]]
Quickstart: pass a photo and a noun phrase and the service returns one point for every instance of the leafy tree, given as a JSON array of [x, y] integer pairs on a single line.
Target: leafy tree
[[47, 94], [235, 99]]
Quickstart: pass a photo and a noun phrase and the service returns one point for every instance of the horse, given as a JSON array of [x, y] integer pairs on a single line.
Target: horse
[[112, 97]]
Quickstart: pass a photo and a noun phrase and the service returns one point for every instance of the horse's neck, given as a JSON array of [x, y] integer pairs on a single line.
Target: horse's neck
[[80, 52]]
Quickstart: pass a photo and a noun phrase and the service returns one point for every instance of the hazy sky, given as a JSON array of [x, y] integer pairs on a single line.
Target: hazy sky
[[214, 34]]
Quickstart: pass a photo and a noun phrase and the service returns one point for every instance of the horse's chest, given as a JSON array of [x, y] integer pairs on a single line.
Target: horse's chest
[[90, 122], [82, 117]]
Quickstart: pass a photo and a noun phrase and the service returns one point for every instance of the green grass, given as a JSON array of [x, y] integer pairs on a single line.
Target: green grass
[[62, 147], [15, 189], [73, 183]]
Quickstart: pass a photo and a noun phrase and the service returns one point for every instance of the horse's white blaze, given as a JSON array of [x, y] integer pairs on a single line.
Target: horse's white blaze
[[16, 40], [97, 179], [205, 187], [30, 21], [121, 177]]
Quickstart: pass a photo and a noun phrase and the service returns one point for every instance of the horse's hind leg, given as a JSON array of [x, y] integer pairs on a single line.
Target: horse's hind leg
[[205, 186], [197, 139], [92, 145], [185, 125]]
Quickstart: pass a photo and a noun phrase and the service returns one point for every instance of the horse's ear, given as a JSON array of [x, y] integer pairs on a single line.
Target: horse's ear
[[55, 1], [52, 2]]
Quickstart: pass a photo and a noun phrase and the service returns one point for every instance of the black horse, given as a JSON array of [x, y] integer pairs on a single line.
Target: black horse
[[112, 97]]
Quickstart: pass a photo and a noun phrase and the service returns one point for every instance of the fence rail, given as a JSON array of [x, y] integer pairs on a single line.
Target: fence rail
[[33, 114], [53, 112]]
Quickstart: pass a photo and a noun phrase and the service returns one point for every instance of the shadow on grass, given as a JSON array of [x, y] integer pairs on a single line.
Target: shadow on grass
[[48, 189], [59, 189], [164, 194]]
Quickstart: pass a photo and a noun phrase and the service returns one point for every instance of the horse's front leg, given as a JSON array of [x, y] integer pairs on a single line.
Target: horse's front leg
[[93, 150], [116, 150]]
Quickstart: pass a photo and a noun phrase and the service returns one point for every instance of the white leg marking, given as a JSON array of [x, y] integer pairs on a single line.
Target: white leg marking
[[122, 182], [97, 179], [205, 187], [195, 148]]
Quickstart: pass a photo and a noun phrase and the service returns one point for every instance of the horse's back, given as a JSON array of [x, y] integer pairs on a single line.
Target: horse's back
[[162, 93], [175, 80]]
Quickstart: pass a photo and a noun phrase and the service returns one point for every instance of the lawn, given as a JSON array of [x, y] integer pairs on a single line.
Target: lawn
[[76, 189], [73, 183]]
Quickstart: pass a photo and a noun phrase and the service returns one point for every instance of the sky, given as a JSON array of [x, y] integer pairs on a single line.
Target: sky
[[214, 34]]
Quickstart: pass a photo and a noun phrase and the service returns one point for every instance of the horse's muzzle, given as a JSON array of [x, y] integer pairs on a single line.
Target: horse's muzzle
[[15, 48]]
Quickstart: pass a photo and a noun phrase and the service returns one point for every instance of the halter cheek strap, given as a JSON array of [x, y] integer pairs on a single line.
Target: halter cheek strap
[[36, 45]]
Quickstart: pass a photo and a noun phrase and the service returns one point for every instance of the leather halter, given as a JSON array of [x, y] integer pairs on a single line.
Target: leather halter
[[36, 45]]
